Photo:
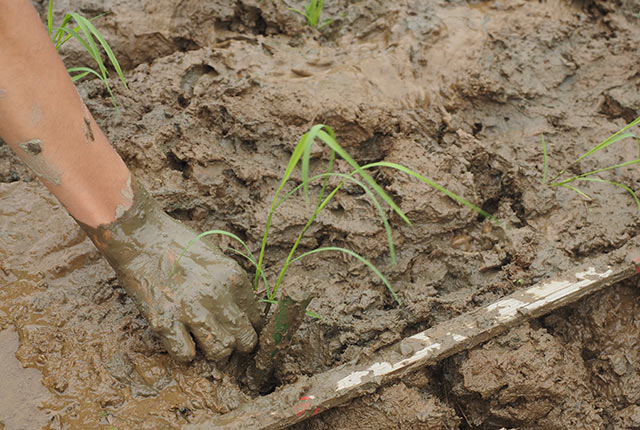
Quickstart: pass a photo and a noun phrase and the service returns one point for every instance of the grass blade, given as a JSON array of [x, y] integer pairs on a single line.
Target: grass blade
[[84, 71], [93, 48], [324, 24], [304, 167], [328, 137], [50, 18], [331, 143], [593, 172], [57, 38], [620, 135], [363, 260], [574, 189], [293, 161], [616, 137], [254, 263], [370, 194], [85, 23], [313, 315], [617, 184], [438, 187], [292, 9]]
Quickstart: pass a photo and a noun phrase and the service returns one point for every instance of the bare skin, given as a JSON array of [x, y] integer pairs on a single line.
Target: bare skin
[[43, 119]]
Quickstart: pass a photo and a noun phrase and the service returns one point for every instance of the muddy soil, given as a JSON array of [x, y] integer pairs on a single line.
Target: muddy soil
[[220, 92]]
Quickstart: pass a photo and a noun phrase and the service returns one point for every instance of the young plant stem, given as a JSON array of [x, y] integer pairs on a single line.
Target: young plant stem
[[277, 335]]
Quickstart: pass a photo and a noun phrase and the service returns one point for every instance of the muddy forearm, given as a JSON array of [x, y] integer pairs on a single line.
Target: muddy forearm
[[44, 120]]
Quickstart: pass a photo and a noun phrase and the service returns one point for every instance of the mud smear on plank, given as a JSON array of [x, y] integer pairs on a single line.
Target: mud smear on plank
[[34, 158]]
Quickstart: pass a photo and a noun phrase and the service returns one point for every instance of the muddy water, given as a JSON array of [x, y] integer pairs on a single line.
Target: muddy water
[[460, 92], [21, 392]]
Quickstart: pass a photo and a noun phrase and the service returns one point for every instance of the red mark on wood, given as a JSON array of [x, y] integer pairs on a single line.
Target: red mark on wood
[[301, 408]]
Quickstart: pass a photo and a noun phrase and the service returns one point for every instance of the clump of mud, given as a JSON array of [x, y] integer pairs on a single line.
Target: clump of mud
[[459, 91]]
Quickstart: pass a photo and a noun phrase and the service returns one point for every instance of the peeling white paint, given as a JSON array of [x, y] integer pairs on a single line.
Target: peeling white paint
[[384, 367], [381, 368], [591, 271], [418, 355], [554, 290], [507, 308], [354, 379], [420, 336]]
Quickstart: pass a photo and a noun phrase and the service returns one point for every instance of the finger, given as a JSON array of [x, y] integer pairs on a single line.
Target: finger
[[245, 298], [214, 340], [178, 342], [236, 323]]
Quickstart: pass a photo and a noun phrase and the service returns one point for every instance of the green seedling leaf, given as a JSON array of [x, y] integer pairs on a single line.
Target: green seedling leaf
[[616, 137], [255, 264], [293, 161], [328, 137], [438, 187], [324, 24], [295, 246], [304, 168], [617, 184], [593, 172], [85, 23], [312, 12], [293, 9], [313, 315], [330, 141], [247, 256], [383, 216], [90, 42], [84, 71], [574, 189], [50, 18], [363, 260]]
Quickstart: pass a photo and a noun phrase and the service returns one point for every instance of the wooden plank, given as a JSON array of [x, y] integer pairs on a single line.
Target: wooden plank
[[312, 395]]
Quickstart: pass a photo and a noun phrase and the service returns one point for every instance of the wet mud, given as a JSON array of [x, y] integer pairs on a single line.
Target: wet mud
[[460, 92]]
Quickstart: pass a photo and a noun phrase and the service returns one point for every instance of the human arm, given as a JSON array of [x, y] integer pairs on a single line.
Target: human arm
[[43, 119]]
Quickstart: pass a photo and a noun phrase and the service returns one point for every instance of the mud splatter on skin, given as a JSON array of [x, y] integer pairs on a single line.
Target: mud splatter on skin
[[3, 93], [34, 159], [32, 147], [127, 195], [88, 131]]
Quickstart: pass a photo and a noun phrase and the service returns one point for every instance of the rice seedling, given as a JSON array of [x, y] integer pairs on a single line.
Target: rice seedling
[[571, 181], [301, 156], [89, 37], [290, 309], [312, 12]]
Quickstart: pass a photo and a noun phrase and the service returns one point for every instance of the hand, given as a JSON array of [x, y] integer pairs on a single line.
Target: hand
[[209, 295]]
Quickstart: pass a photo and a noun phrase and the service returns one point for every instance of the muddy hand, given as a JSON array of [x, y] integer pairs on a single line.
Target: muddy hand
[[208, 296]]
